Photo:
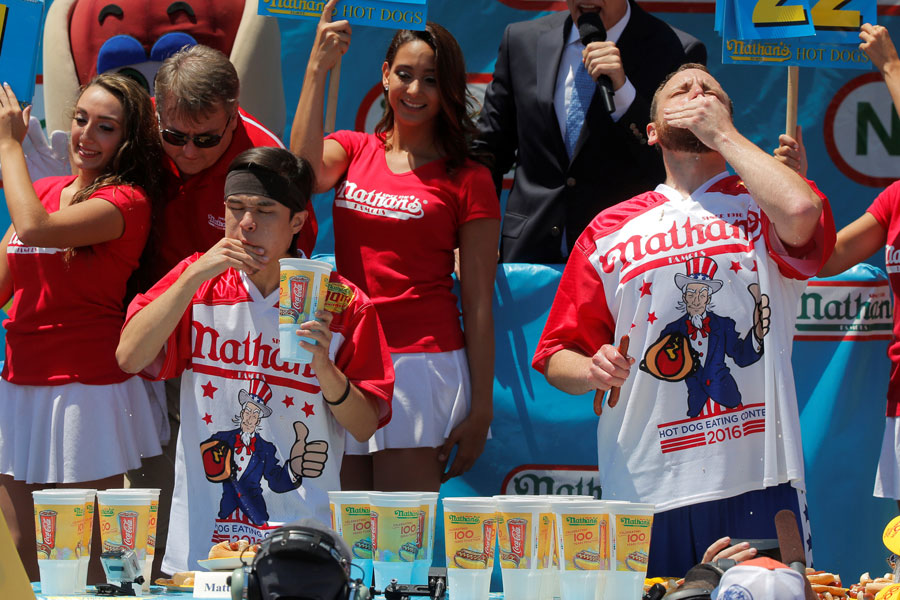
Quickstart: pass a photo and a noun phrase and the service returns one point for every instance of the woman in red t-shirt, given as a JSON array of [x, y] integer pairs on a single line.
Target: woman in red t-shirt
[[407, 197], [69, 417]]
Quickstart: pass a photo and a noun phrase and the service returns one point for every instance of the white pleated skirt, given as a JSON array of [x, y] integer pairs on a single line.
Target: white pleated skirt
[[887, 479], [75, 432], [432, 395]]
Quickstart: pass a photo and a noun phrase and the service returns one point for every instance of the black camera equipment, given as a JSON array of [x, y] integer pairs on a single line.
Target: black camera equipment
[[436, 588], [303, 561]]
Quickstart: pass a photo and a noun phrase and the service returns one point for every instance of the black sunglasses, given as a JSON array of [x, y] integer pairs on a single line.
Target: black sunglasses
[[203, 140]]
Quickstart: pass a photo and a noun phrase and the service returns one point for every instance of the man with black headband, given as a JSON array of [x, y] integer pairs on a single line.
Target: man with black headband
[[246, 415]]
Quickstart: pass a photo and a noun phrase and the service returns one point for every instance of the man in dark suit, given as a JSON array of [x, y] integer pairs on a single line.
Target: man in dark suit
[[569, 168]]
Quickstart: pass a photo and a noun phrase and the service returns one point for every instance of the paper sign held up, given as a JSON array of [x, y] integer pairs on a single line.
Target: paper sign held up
[[388, 14], [20, 36]]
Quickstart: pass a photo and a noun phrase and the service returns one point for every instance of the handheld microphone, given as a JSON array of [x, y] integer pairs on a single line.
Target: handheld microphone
[[791, 546], [591, 29]]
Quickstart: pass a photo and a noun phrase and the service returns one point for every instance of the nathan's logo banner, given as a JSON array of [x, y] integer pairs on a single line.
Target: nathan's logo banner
[[845, 310], [393, 14], [552, 479], [823, 33]]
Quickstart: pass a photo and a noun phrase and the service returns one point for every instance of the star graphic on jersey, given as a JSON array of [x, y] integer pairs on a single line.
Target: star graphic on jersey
[[208, 418], [209, 390], [645, 289], [288, 401], [735, 266], [308, 409], [651, 318]]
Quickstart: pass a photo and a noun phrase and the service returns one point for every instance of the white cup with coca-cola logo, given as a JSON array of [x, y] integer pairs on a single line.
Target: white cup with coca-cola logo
[[522, 555], [59, 531]]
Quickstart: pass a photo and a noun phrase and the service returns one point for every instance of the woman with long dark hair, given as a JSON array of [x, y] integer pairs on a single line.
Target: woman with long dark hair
[[406, 197], [69, 417]]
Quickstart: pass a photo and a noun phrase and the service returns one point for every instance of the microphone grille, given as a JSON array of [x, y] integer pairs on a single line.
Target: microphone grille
[[591, 29]]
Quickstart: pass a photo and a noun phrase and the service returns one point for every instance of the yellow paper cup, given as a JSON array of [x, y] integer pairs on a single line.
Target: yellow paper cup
[[425, 539], [59, 534], [583, 553], [395, 530], [125, 520], [350, 518], [470, 528], [631, 523], [519, 520], [302, 291], [151, 533]]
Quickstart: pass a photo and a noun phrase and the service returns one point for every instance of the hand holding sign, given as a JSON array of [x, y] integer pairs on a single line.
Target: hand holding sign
[[332, 41], [13, 120], [877, 44]]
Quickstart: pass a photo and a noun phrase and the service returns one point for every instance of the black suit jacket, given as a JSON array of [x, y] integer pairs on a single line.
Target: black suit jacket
[[612, 161]]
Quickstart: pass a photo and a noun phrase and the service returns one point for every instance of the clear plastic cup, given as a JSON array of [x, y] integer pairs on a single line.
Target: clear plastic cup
[[59, 532], [125, 520], [583, 555], [470, 526], [350, 518], [303, 286], [395, 528], [519, 536], [631, 524]]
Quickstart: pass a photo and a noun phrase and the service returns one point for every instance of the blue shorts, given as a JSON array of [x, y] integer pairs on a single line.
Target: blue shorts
[[680, 536]]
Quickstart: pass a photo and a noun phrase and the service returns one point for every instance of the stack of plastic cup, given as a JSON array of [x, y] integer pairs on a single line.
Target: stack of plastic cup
[[303, 286], [395, 529], [59, 528], [350, 518], [151, 533], [630, 533], [582, 553], [125, 520], [469, 533], [518, 535]]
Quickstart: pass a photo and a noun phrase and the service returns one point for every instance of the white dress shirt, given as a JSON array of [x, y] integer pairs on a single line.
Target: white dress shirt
[[565, 76]]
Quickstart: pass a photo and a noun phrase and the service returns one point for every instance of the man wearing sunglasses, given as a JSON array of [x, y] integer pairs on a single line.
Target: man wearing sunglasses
[[202, 130]]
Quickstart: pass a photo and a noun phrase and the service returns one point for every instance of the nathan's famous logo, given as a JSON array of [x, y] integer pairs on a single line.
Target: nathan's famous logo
[[463, 519], [554, 479], [841, 312], [349, 195], [210, 344], [756, 51], [635, 521], [581, 520], [679, 237], [356, 510], [406, 514]]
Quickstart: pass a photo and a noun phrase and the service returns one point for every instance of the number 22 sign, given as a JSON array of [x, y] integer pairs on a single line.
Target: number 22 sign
[[830, 21]]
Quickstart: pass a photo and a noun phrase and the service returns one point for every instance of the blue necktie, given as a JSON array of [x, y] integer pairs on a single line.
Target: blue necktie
[[582, 93]]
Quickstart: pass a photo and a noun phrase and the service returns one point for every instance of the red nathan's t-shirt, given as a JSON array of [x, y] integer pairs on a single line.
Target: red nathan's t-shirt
[[65, 318], [395, 235], [193, 215], [886, 210]]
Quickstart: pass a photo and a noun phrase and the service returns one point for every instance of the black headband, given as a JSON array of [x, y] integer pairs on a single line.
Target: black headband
[[253, 180]]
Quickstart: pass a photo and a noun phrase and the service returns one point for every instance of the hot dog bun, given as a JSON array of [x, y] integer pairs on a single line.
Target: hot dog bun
[[232, 549], [470, 559]]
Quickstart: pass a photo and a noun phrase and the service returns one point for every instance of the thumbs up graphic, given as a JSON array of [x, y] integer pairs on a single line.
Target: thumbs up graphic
[[307, 458]]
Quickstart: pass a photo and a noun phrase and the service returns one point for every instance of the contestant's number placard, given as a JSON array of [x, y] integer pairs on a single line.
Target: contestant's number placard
[[831, 21]]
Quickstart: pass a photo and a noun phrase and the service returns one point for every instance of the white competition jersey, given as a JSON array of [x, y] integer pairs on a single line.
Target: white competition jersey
[[239, 399], [708, 411]]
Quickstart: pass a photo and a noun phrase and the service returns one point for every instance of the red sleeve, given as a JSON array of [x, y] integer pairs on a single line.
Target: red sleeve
[[364, 356], [132, 203], [175, 356], [803, 262], [351, 141], [579, 319], [478, 197], [882, 207]]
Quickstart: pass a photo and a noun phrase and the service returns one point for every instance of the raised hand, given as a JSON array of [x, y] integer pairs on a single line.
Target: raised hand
[[13, 120], [332, 39]]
